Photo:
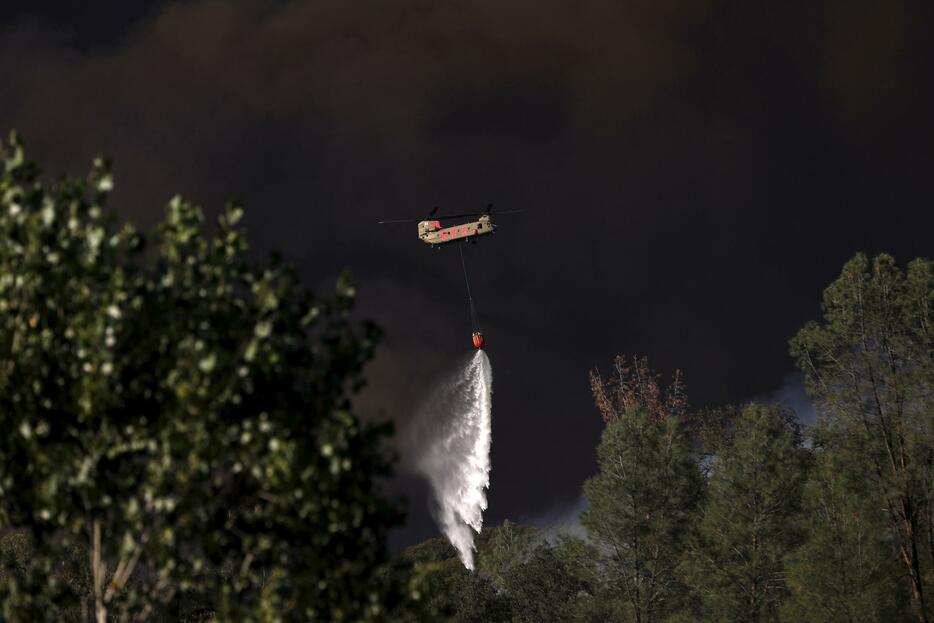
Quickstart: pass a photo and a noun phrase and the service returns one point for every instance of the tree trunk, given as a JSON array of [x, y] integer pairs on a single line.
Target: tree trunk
[[910, 559]]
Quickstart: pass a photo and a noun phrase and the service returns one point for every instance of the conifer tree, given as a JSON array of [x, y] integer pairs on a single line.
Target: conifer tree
[[750, 518], [846, 571], [869, 365], [640, 503], [639, 508]]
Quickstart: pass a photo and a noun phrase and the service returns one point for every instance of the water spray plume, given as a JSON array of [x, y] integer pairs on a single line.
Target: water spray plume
[[453, 438]]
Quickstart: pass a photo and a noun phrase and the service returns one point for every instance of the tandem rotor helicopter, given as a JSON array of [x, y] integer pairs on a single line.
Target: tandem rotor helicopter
[[433, 234]]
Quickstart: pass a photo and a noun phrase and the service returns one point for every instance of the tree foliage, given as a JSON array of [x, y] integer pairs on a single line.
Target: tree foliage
[[639, 508], [751, 518], [726, 514], [452, 593], [558, 581], [635, 385], [178, 434], [870, 366], [845, 571]]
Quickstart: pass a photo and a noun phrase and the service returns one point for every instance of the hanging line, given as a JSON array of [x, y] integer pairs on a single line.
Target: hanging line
[[475, 323]]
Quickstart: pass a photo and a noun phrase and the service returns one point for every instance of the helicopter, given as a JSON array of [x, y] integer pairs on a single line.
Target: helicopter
[[431, 232]]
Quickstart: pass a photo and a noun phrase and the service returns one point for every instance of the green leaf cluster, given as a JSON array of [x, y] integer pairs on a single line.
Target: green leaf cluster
[[182, 414]]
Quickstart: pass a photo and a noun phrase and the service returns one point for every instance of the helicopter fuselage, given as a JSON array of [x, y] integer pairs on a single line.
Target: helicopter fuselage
[[431, 232]]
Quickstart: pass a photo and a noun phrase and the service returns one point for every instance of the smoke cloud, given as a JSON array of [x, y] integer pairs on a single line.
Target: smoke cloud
[[791, 394], [452, 439], [677, 154]]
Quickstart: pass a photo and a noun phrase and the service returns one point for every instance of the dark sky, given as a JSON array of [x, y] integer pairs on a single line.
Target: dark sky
[[695, 174]]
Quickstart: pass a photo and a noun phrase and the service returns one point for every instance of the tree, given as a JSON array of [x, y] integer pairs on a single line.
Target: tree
[[178, 434], [639, 506], [750, 519], [452, 593], [468, 597], [869, 365], [648, 485], [635, 385], [522, 576], [557, 582], [846, 570], [501, 547]]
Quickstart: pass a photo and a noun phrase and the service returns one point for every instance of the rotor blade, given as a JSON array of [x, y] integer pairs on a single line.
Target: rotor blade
[[442, 216], [433, 210], [466, 214], [512, 211], [446, 216]]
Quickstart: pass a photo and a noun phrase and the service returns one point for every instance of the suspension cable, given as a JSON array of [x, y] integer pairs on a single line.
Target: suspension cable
[[475, 323]]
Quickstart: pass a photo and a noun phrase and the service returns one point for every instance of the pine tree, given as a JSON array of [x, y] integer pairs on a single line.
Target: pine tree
[[869, 364], [749, 519], [639, 509], [846, 571]]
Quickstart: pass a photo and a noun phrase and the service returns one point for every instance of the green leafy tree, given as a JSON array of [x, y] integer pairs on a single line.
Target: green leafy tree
[[751, 518], [846, 570], [177, 428], [869, 365]]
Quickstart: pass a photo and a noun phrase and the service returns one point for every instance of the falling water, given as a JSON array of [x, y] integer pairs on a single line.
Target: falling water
[[453, 441]]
